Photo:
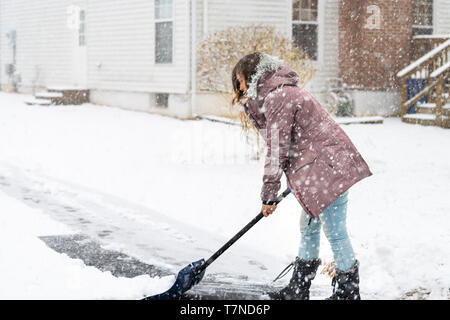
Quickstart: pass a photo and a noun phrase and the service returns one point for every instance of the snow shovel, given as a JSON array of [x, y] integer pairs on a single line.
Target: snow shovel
[[194, 272]]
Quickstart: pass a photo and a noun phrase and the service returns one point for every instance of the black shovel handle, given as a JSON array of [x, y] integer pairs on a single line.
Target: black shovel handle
[[239, 234]]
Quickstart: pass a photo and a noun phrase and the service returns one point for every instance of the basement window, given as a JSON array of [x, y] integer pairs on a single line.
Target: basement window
[[162, 100]]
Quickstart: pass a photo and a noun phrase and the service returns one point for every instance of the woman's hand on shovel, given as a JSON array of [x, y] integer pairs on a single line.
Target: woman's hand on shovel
[[266, 209]]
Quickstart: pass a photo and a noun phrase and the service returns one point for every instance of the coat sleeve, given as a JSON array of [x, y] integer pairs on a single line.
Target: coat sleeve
[[279, 113]]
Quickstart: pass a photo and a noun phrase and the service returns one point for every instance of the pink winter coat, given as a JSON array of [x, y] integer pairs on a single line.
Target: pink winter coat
[[316, 155]]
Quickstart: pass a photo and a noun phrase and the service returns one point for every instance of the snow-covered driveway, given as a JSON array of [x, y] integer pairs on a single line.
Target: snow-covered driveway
[[193, 181]]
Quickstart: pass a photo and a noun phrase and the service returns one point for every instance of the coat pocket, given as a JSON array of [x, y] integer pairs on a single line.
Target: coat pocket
[[305, 158]]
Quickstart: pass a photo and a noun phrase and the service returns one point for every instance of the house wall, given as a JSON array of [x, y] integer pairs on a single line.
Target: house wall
[[1, 53], [223, 14], [120, 47], [121, 55], [376, 103], [441, 17], [327, 64], [142, 101], [367, 59], [121, 50], [369, 56], [44, 42], [119, 59], [372, 49]]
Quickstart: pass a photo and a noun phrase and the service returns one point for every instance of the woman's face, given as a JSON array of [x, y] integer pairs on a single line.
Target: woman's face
[[242, 83]]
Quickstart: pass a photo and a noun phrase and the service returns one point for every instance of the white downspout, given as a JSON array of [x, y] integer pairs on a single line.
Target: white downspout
[[187, 55], [193, 58], [205, 18]]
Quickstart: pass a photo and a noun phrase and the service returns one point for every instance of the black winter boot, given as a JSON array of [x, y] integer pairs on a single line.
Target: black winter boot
[[298, 287], [348, 284]]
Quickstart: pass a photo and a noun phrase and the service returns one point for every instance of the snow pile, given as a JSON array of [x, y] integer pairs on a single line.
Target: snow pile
[[31, 270]]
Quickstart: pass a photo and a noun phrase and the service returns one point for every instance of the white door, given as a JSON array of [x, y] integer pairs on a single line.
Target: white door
[[77, 22]]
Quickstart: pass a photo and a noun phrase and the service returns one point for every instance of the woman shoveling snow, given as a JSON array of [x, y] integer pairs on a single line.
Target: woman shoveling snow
[[318, 158]]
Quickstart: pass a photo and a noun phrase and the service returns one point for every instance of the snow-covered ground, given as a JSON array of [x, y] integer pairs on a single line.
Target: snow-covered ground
[[201, 175], [30, 270]]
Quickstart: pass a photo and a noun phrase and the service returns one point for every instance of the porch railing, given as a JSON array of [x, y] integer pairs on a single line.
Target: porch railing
[[427, 78], [421, 45]]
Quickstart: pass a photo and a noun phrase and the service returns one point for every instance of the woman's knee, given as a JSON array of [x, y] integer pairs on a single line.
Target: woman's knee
[[336, 236], [310, 227]]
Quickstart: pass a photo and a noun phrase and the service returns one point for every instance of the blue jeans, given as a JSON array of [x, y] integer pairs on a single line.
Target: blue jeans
[[333, 219]]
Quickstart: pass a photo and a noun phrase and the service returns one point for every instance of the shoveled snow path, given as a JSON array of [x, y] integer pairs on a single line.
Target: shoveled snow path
[[135, 230]]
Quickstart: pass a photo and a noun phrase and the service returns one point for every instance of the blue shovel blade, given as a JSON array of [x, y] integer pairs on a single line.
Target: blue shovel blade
[[186, 279]]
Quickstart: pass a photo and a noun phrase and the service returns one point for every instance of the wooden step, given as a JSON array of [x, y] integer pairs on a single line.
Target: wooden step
[[446, 110], [430, 108], [40, 102], [70, 94], [420, 118], [54, 97], [427, 108], [48, 95], [445, 122], [426, 119]]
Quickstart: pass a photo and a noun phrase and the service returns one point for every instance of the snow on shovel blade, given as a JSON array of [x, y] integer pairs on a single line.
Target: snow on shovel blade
[[186, 279]]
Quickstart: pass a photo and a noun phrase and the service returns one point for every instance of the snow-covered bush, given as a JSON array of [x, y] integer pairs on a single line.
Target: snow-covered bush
[[220, 51]]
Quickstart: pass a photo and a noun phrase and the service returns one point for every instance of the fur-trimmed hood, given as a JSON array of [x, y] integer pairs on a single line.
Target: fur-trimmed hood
[[270, 73]]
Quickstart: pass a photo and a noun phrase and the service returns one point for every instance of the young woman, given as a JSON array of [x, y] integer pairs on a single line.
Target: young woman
[[319, 161]]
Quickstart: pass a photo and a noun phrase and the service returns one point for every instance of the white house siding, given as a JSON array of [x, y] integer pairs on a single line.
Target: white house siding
[[121, 48], [441, 17], [221, 14], [200, 4], [228, 13], [44, 42], [121, 55], [327, 64]]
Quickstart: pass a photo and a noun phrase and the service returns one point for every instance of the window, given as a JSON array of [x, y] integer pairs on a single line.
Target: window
[[305, 26], [163, 31], [82, 29], [162, 100], [422, 17]]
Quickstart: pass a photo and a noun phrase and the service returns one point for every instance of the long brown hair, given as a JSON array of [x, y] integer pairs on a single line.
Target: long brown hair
[[246, 67]]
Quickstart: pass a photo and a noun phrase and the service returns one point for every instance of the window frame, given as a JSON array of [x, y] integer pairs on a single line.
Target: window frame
[[82, 30], [317, 23], [164, 20], [429, 27], [162, 96]]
